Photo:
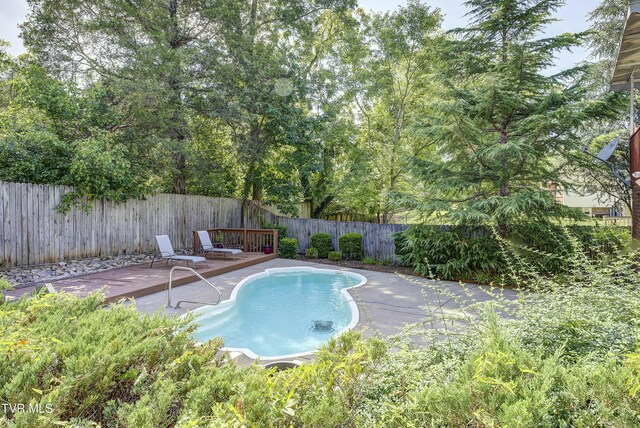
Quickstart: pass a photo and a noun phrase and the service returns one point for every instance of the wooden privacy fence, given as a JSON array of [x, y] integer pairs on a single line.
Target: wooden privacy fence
[[32, 232], [377, 239]]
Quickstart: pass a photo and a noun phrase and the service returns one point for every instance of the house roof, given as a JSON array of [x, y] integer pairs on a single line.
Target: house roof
[[628, 58]]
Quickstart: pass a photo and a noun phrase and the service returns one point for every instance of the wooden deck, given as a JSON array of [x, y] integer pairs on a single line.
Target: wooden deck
[[140, 280]]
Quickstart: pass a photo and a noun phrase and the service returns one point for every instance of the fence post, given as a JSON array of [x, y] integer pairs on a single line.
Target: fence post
[[275, 241], [244, 240], [196, 242]]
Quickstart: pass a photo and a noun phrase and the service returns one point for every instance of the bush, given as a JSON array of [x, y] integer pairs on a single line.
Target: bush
[[288, 248], [452, 252], [312, 253], [5, 285], [371, 261], [322, 241], [565, 357], [335, 256], [282, 230], [351, 245]]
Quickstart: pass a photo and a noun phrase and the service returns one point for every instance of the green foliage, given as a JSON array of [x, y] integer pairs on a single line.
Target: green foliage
[[212, 159], [93, 364], [5, 285], [118, 367], [566, 356], [282, 230], [607, 22], [588, 311], [459, 251], [335, 256], [288, 248], [36, 157], [486, 120], [230, 114], [350, 245], [54, 133], [323, 243], [502, 383], [388, 55], [312, 253], [100, 169]]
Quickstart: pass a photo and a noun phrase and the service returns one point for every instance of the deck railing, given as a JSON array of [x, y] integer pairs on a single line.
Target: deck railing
[[247, 240]]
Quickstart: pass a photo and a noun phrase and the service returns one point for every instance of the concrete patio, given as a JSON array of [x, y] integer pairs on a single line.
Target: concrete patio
[[387, 302]]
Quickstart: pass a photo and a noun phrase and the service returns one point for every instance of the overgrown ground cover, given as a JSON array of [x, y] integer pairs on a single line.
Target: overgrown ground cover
[[565, 354]]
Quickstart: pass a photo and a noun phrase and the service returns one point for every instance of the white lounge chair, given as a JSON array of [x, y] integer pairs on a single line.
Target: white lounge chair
[[166, 252], [208, 247]]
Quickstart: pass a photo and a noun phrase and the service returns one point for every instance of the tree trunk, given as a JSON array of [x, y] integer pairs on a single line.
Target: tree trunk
[[179, 178], [504, 189], [257, 190], [504, 186], [319, 210]]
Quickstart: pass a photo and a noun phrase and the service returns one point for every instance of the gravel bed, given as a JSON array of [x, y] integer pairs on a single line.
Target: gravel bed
[[24, 275]]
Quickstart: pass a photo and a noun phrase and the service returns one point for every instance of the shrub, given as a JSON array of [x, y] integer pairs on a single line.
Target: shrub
[[322, 241], [288, 248], [463, 251], [335, 256], [351, 245], [5, 285], [89, 362], [371, 261], [312, 253], [565, 357], [282, 230]]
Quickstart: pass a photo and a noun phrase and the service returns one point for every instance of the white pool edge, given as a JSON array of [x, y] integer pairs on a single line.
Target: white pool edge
[[355, 312]]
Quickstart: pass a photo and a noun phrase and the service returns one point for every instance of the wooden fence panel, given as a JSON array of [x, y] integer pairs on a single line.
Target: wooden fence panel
[[377, 239], [33, 232]]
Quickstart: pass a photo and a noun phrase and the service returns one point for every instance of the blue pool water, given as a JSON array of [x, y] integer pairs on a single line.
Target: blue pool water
[[282, 312]]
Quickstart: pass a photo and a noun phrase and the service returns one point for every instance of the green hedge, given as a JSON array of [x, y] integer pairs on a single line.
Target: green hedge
[[322, 241], [312, 253], [350, 245], [460, 251], [335, 256], [288, 248]]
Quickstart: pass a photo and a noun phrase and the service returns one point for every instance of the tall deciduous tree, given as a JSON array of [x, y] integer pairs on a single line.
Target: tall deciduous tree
[[390, 64], [146, 49], [501, 125], [264, 85], [229, 60]]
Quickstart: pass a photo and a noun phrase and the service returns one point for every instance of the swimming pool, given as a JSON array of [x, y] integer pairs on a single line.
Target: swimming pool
[[282, 312]]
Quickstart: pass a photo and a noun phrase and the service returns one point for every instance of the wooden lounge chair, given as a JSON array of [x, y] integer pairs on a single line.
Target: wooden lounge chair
[[166, 252], [208, 247]]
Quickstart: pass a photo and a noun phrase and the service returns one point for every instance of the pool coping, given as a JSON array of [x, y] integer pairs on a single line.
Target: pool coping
[[355, 311]]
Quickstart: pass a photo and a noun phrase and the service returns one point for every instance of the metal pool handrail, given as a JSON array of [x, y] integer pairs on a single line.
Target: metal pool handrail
[[190, 301]]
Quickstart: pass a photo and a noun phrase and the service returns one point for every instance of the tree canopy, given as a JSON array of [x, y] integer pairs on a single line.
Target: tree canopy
[[363, 115]]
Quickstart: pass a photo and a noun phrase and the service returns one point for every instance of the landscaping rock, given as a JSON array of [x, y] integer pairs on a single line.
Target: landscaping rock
[[64, 269]]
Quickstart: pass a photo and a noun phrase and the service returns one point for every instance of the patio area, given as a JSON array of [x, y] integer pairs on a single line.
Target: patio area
[[387, 302], [140, 280]]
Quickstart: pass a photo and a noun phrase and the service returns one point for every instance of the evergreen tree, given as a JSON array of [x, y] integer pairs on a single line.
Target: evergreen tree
[[502, 127]]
